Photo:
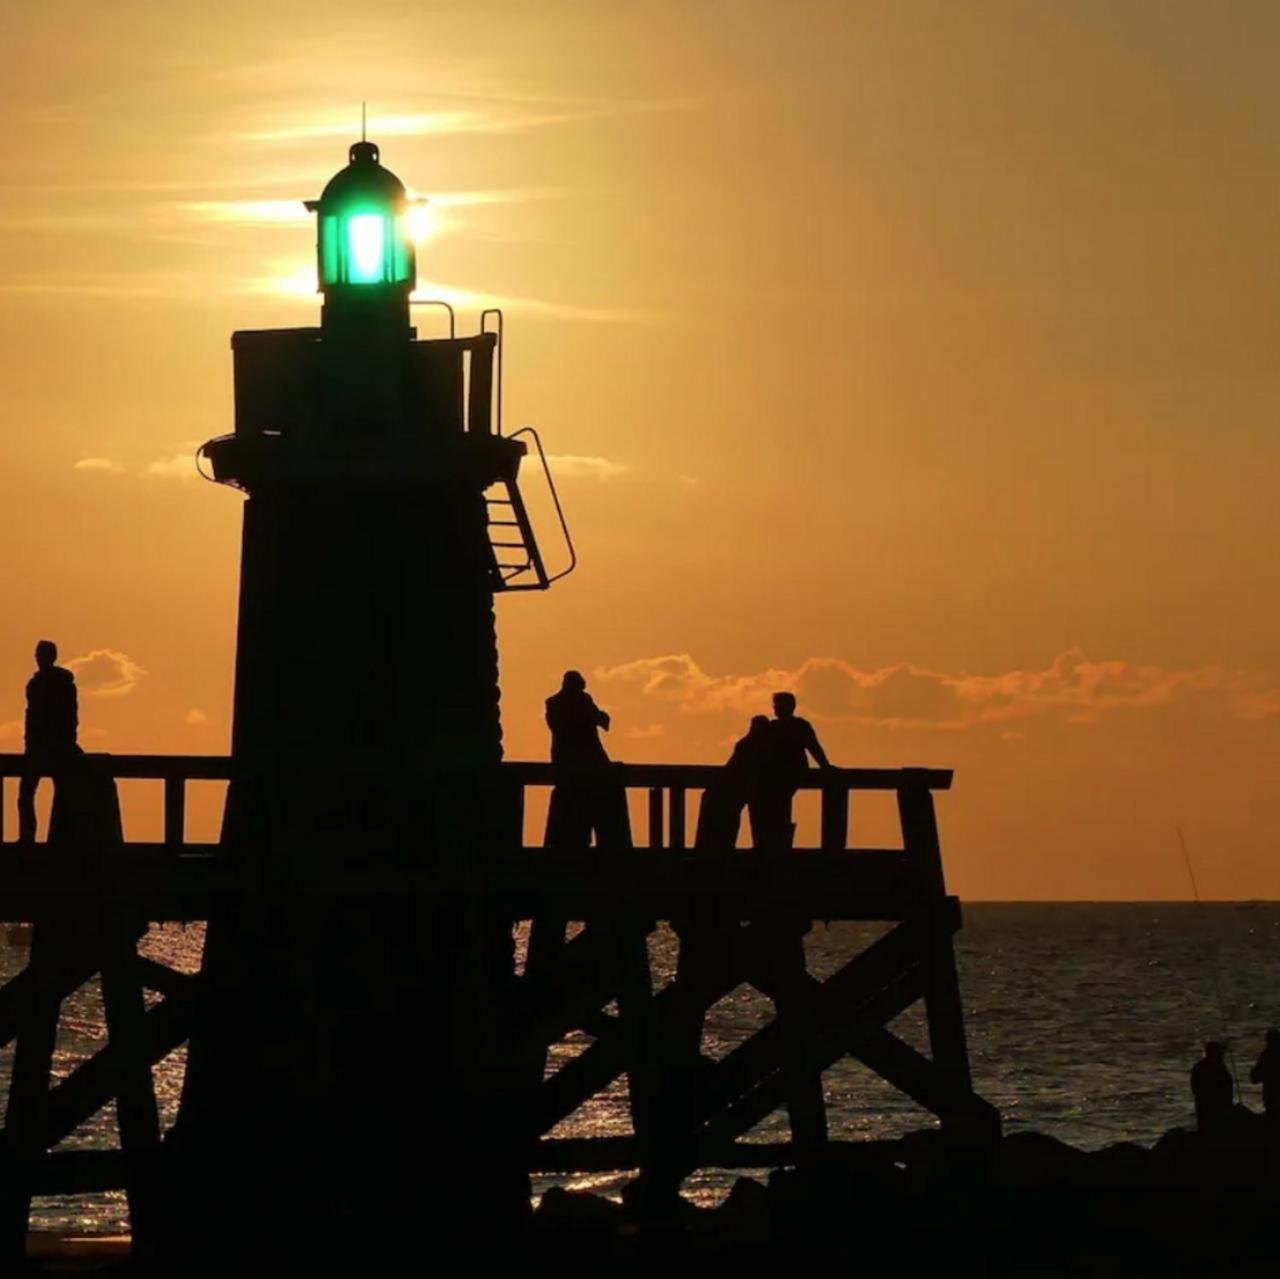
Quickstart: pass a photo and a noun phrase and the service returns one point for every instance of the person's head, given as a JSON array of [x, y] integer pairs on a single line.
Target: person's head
[[573, 682], [1214, 1051], [46, 654], [784, 705], [759, 724]]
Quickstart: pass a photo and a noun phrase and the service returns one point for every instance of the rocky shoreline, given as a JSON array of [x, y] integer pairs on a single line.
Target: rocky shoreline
[[1026, 1205]]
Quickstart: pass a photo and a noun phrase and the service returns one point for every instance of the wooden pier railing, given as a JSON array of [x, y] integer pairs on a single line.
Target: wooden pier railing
[[179, 878]]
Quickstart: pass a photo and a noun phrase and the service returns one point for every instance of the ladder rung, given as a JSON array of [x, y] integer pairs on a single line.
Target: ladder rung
[[499, 501]]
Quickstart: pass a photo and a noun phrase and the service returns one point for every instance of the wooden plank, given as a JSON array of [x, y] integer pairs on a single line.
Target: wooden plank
[[769, 1092], [565, 987], [29, 1089], [835, 818], [920, 836], [677, 823], [655, 817], [91, 1085], [137, 1115], [526, 773], [175, 812], [915, 1075], [635, 1018]]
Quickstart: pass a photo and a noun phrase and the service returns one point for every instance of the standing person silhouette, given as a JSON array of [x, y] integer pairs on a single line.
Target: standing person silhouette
[[1212, 1089], [1266, 1071], [791, 742], [51, 724], [585, 800]]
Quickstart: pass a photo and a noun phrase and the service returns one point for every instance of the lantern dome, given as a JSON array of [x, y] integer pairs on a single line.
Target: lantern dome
[[362, 237]]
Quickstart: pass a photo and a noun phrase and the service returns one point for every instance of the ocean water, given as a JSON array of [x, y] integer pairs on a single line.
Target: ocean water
[[1083, 1022]]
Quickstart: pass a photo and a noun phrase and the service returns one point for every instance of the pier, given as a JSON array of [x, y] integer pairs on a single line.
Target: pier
[[89, 908]]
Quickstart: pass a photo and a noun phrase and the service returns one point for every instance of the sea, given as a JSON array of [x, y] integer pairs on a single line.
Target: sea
[[1083, 1022]]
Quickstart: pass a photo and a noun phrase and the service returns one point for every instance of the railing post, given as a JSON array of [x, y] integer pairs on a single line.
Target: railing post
[[655, 817], [677, 818], [920, 832], [835, 818], [942, 987], [175, 811], [1, 810]]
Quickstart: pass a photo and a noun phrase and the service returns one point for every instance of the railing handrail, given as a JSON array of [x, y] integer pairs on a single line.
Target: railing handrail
[[526, 772]]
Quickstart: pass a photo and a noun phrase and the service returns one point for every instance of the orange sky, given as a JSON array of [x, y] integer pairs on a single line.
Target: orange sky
[[917, 356]]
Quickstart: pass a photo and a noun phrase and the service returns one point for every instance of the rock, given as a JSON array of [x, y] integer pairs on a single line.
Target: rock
[[579, 1209]]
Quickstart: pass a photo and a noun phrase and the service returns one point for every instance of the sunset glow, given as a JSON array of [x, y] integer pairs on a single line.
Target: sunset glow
[[919, 358]]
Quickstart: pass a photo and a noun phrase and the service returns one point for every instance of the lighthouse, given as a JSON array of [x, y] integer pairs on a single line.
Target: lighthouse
[[382, 514]]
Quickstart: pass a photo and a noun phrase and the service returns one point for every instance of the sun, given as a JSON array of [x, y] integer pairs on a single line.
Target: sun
[[421, 222]]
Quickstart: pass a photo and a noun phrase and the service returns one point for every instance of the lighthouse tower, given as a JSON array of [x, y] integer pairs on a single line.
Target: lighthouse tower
[[366, 714]]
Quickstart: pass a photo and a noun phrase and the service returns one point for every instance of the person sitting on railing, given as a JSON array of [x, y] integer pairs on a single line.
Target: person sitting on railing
[[51, 723], [791, 741], [587, 800]]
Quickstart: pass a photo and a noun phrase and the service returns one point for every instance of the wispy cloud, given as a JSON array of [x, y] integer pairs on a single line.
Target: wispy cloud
[[508, 118], [570, 466], [180, 466], [1072, 688], [105, 465], [106, 673]]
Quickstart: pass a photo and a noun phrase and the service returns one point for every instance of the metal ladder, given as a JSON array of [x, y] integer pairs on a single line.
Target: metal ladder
[[516, 554]]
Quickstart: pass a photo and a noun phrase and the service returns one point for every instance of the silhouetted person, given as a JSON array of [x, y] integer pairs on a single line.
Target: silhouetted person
[[575, 720], [791, 742], [51, 724], [1266, 1071], [1212, 1089], [738, 786], [586, 799]]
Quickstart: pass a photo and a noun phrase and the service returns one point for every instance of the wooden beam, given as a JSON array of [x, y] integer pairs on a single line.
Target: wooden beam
[[37, 1033], [769, 1090], [835, 818], [91, 1085], [655, 817], [676, 838], [520, 772], [175, 812]]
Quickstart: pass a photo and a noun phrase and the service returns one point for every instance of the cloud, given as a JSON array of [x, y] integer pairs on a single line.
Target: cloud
[[571, 467], [104, 464], [645, 732], [181, 466], [294, 213], [1072, 688], [196, 718], [467, 120], [106, 673]]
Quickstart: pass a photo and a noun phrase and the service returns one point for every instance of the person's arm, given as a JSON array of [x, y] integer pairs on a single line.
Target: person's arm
[[601, 718], [815, 749]]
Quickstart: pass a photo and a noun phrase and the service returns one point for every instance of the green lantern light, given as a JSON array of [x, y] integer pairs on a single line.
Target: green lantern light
[[363, 235]]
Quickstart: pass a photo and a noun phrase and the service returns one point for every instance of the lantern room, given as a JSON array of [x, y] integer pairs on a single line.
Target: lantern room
[[363, 236]]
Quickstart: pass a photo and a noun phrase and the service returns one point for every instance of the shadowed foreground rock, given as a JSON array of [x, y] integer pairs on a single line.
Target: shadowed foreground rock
[[1030, 1205]]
